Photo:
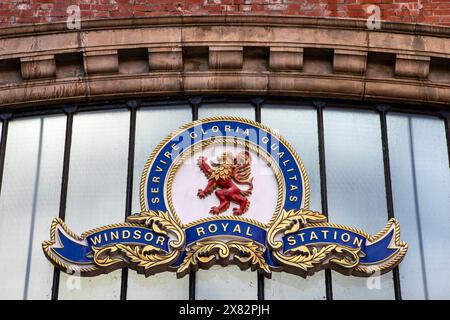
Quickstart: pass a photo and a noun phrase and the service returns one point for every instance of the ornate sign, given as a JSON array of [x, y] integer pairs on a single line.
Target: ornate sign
[[219, 191]]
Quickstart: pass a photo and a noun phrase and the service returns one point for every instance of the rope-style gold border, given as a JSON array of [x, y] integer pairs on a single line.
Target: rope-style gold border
[[144, 176]]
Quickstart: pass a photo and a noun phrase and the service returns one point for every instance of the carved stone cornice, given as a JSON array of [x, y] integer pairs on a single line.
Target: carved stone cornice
[[316, 57]]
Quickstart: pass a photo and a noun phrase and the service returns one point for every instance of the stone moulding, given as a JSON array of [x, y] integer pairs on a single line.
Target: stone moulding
[[263, 55]]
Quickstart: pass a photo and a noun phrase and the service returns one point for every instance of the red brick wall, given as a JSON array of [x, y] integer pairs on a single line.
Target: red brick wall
[[14, 12]]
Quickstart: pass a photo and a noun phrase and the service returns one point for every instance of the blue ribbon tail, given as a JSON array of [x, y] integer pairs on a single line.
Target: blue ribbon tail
[[71, 249]]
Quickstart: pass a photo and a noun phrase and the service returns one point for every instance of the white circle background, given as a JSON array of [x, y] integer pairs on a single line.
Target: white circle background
[[189, 178]]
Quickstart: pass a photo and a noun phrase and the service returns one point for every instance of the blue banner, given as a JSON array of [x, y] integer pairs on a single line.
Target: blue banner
[[80, 252], [371, 253], [225, 228]]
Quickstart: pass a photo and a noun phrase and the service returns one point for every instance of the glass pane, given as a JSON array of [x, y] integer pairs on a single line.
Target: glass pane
[[153, 125], [421, 189], [299, 126], [96, 191], [29, 201], [227, 109], [226, 282], [356, 189]]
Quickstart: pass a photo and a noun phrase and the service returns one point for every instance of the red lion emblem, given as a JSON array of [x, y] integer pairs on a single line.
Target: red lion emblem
[[224, 174]]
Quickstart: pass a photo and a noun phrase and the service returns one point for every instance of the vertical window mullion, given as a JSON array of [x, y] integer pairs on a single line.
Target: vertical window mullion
[[257, 102], [69, 110], [382, 109], [446, 116], [323, 184], [194, 102], [132, 105], [5, 121]]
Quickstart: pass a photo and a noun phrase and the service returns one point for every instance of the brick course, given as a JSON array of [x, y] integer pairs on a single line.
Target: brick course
[[17, 12]]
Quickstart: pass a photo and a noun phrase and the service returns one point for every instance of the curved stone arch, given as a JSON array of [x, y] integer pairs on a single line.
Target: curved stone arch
[[257, 55]]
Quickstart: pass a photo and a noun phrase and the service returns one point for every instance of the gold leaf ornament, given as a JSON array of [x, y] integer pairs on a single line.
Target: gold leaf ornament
[[161, 222], [204, 253], [103, 256], [247, 254], [250, 255], [290, 222], [146, 259]]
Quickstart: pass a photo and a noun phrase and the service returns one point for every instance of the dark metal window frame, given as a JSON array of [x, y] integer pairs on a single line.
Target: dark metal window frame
[[195, 102]]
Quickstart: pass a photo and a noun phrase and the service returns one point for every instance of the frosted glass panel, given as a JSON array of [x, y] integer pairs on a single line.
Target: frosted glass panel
[[227, 109], [356, 189], [222, 283], [421, 190], [28, 202], [152, 125], [96, 190], [226, 282], [299, 126]]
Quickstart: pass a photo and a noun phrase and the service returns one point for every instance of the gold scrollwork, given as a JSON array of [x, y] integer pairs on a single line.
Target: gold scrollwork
[[291, 221], [161, 222], [306, 260], [103, 257], [147, 259], [204, 254]]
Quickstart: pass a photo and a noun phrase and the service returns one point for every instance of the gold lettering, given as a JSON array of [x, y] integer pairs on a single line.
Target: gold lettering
[[212, 228], [200, 231], [114, 234], [347, 237], [160, 240], [237, 229], [313, 236], [125, 234], [224, 226], [97, 239], [137, 234], [357, 241], [291, 240], [156, 179], [148, 234]]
